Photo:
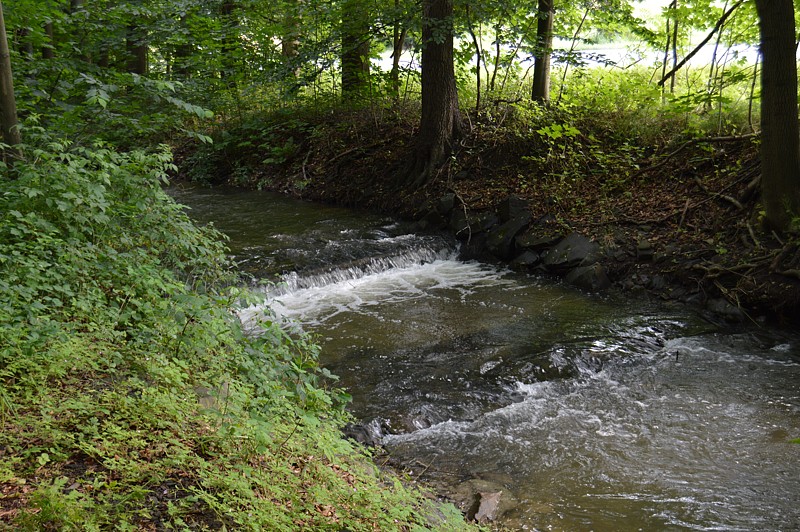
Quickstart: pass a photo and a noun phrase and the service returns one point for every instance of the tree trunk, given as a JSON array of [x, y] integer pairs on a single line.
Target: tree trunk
[[290, 40], [8, 103], [356, 45], [136, 47], [23, 43], [674, 47], [48, 50], [440, 125], [780, 135], [540, 91], [230, 42], [478, 54], [398, 41]]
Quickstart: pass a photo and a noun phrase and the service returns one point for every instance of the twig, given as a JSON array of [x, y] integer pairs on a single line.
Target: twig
[[498, 101], [683, 215], [714, 271], [779, 256], [753, 234], [731, 138], [730, 199], [351, 150], [791, 273], [466, 217], [751, 188], [733, 201], [424, 470]]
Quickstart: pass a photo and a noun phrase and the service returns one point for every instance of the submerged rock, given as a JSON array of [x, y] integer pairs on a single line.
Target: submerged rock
[[488, 506]]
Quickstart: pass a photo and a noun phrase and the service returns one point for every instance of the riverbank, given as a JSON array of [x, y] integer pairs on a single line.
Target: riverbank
[[652, 208], [130, 395]]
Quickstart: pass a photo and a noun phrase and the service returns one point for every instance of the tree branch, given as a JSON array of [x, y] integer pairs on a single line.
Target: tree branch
[[691, 54]]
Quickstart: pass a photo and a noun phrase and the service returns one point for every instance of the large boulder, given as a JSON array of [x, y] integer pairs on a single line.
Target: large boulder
[[572, 251], [475, 248], [460, 224], [446, 204], [512, 208], [526, 260], [545, 233], [592, 277], [535, 240], [500, 239], [465, 227]]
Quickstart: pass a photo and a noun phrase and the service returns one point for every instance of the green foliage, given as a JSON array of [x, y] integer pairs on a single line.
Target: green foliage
[[130, 395]]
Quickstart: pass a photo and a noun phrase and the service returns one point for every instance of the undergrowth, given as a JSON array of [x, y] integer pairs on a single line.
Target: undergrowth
[[130, 397], [602, 122]]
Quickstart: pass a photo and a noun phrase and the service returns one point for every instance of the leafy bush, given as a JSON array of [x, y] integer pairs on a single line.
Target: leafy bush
[[130, 395]]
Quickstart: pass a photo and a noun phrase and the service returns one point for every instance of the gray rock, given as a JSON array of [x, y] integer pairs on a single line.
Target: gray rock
[[512, 207], [591, 277], [537, 241], [370, 434], [526, 259], [432, 219], [460, 225], [446, 204], [488, 506], [483, 500], [574, 250], [483, 221], [475, 248], [644, 250], [722, 307], [500, 240]]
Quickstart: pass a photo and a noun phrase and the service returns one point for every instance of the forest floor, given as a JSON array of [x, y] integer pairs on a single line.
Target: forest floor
[[679, 218]]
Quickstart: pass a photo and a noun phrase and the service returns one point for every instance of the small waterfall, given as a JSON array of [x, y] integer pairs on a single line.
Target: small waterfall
[[406, 257]]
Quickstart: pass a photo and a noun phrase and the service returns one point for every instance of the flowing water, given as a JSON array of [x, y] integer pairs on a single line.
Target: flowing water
[[587, 412]]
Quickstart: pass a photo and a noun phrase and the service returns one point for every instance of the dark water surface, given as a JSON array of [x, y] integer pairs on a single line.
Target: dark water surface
[[588, 412]]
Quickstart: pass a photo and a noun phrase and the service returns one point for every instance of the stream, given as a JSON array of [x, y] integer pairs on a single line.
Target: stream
[[589, 412]]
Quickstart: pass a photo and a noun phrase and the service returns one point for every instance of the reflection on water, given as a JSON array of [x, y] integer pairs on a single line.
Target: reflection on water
[[589, 413]]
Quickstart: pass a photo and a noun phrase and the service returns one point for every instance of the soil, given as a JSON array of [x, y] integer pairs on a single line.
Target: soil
[[681, 220]]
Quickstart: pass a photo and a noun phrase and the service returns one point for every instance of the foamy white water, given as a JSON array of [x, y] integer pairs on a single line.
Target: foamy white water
[[314, 300]]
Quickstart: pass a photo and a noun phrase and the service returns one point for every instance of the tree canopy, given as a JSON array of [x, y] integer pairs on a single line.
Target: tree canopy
[[141, 70]]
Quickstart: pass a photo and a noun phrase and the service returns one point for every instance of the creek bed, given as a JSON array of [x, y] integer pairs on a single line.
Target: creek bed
[[589, 412]]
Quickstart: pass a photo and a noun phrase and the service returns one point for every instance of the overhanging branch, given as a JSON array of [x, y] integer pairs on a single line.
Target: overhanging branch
[[691, 54]]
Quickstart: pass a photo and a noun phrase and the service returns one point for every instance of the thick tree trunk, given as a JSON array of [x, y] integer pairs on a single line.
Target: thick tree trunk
[[780, 135], [540, 91], [8, 103], [440, 125], [356, 45], [290, 40]]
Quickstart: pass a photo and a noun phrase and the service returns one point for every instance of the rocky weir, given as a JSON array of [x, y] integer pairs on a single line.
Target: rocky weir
[[511, 235]]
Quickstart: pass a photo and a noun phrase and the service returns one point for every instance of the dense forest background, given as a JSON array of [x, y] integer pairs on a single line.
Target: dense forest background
[[129, 73], [130, 395]]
